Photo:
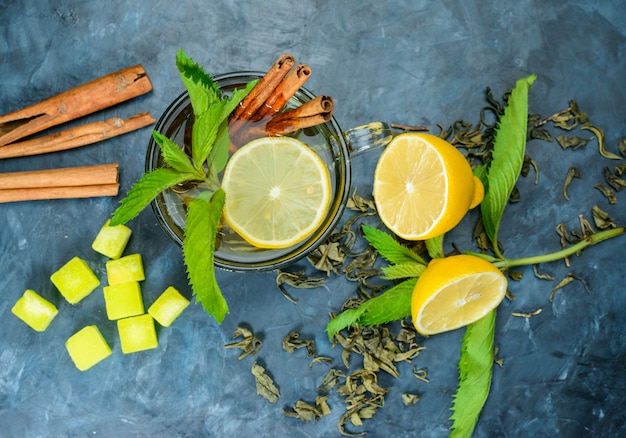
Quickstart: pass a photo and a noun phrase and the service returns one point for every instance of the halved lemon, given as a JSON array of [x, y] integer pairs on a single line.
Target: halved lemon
[[423, 186], [455, 291], [277, 192]]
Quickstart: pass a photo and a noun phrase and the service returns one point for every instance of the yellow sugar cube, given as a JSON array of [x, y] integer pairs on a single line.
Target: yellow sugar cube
[[123, 300], [87, 347], [168, 306], [75, 280], [137, 333], [125, 269], [35, 310], [111, 241]]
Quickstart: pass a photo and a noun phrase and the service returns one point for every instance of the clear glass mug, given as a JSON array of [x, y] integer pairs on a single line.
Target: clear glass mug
[[335, 147]]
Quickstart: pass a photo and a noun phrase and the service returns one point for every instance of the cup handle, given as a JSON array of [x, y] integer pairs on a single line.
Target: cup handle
[[367, 137]]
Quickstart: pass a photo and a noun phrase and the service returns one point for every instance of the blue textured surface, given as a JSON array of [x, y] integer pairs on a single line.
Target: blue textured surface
[[412, 62]]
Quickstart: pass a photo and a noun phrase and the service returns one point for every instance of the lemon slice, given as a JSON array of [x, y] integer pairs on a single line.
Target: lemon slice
[[455, 291], [277, 192], [423, 186]]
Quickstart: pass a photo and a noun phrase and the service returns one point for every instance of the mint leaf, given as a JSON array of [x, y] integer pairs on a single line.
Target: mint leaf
[[390, 248], [393, 304], [145, 190], [508, 156], [204, 132], [434, 246], [174, 156], [203, 92], [475, 370], [201, 229], [403, 270]]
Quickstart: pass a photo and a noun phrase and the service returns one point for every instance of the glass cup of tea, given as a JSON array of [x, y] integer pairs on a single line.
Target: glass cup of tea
[[334, 146]]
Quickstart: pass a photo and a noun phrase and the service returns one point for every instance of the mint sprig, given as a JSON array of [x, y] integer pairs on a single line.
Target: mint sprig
[[209, 154]]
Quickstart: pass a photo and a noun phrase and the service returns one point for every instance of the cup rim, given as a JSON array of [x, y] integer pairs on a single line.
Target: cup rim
[[300, 251]]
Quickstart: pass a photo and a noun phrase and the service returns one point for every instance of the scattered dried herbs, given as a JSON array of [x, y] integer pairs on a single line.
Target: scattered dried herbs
[[410, 399], [265, 386], [250, 343], [293, 342], [571, 174], [527, 315], [307, 412], [567, 280], [607, 192], [601, 218]]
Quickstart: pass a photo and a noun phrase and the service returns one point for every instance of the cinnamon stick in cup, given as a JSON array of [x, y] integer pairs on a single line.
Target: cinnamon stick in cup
[[311, 113], [283, 92], [263, 89]]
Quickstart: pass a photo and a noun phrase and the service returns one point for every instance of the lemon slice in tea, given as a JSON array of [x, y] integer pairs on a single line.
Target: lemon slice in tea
[[423, 186], [455, 291], [277, 192]]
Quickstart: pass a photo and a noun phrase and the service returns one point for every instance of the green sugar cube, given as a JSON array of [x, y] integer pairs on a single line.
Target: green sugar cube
[[111, 241], [87, 347], [125, 269], [35, 310], [168, 306], [137, 333], [123, 300], [75, 280]]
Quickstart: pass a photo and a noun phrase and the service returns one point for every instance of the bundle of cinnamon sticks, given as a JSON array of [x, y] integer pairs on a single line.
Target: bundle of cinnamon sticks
[[259, 113], [80, 182]]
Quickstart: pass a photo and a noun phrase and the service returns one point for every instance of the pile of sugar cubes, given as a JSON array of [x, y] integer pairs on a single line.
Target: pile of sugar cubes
[[122, 296]]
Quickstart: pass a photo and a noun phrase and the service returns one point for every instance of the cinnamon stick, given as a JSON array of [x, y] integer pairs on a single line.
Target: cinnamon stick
[[311, 113], [75, 137], [264, 88], [85, 99], [100, 174], [283, 92], [40, 193]]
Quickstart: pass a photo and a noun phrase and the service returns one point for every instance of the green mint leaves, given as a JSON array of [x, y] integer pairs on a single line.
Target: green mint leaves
[[508, 156], [209, 154], [475, 365]]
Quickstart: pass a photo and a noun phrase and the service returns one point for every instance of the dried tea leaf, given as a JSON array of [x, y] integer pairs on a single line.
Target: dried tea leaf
[[571, 174], [527, 315], [599, 133], [265, 386], [307, 412], [421, 375], [620, 169], [516, 275], [327, 257], [410, 399], [292, 342], [608, 193], [621, 146], [250, 343], [541, 134], [331, 380], [298, 280], [359, 203], [320, 359], [567, 280], [542, 276], [601, 218], [572, 142], [614, 180]]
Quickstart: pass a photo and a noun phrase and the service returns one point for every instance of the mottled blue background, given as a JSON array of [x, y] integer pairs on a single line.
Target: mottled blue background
[[412, 62]]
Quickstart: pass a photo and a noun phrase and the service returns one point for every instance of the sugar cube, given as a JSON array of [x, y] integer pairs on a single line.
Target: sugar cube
[[35, 310], [123, 299], [124, 269], [137, 333], [75, 280], [87, 347], [168, 306], [111, 241]]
